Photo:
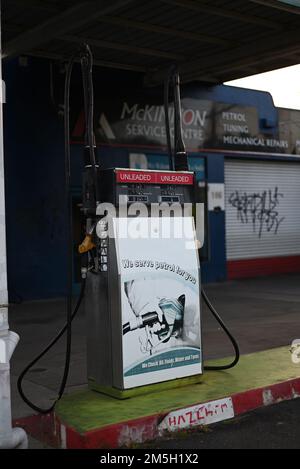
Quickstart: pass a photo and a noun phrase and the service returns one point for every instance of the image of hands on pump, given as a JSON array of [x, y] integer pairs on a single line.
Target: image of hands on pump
[[160, 318]]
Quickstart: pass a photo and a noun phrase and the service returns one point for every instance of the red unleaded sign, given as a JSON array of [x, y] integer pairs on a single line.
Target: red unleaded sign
[[154, 177]]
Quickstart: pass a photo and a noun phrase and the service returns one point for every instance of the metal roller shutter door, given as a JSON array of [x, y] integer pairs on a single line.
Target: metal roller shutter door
[[262, 217]]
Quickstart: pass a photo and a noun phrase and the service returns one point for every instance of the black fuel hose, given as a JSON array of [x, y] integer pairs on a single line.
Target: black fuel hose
[[178, 158], [68, 205], [86, 58], [167, 117], [42, 354], [227, 332], [173, 77]]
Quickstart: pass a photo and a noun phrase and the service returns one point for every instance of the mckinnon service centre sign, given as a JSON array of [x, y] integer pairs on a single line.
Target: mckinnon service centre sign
[[135, 121]]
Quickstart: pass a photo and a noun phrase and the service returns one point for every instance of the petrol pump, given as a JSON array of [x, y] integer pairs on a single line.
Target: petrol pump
[[142, 299], [141, 277]]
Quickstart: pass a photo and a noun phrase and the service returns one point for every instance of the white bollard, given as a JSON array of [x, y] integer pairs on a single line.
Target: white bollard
[[10, 438]]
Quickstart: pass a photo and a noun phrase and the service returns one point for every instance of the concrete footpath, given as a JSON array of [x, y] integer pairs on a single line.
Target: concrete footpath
[[261, 313]]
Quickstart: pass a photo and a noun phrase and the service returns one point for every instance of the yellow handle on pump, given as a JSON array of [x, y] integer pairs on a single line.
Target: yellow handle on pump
[[87, 245]]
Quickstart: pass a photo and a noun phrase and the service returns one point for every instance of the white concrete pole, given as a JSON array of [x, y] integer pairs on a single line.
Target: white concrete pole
[[9, 438]]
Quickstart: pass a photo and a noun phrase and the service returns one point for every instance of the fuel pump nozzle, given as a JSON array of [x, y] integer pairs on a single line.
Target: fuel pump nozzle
[[160, 331]]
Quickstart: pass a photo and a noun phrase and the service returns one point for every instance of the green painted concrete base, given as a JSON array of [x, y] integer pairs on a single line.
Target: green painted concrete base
[[141, 391], [87, 410]]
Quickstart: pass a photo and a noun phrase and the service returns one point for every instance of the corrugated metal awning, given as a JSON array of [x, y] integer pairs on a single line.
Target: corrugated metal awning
[[211, 41]]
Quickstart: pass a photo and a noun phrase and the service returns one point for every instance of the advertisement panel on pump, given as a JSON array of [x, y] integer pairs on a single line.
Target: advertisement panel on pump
[[160, 301]]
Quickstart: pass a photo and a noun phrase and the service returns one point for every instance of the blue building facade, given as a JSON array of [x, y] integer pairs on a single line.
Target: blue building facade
[[34, 159]]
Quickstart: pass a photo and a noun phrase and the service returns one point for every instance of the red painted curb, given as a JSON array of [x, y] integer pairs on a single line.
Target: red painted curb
[[254, 399], [115, 436], [53, 432], [44, 428]]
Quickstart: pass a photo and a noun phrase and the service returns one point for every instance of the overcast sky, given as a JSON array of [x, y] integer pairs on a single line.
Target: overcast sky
[[283, 84]]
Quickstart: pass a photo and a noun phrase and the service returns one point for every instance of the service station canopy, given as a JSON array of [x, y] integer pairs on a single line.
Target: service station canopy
[[211, 41]]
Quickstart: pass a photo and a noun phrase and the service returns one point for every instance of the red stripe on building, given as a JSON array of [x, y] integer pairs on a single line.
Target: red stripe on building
[[261, 267]]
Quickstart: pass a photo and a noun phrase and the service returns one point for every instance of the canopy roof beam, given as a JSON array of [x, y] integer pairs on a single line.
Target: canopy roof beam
[[200, 7], [123, 47], [152, 28], [64, 22]]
